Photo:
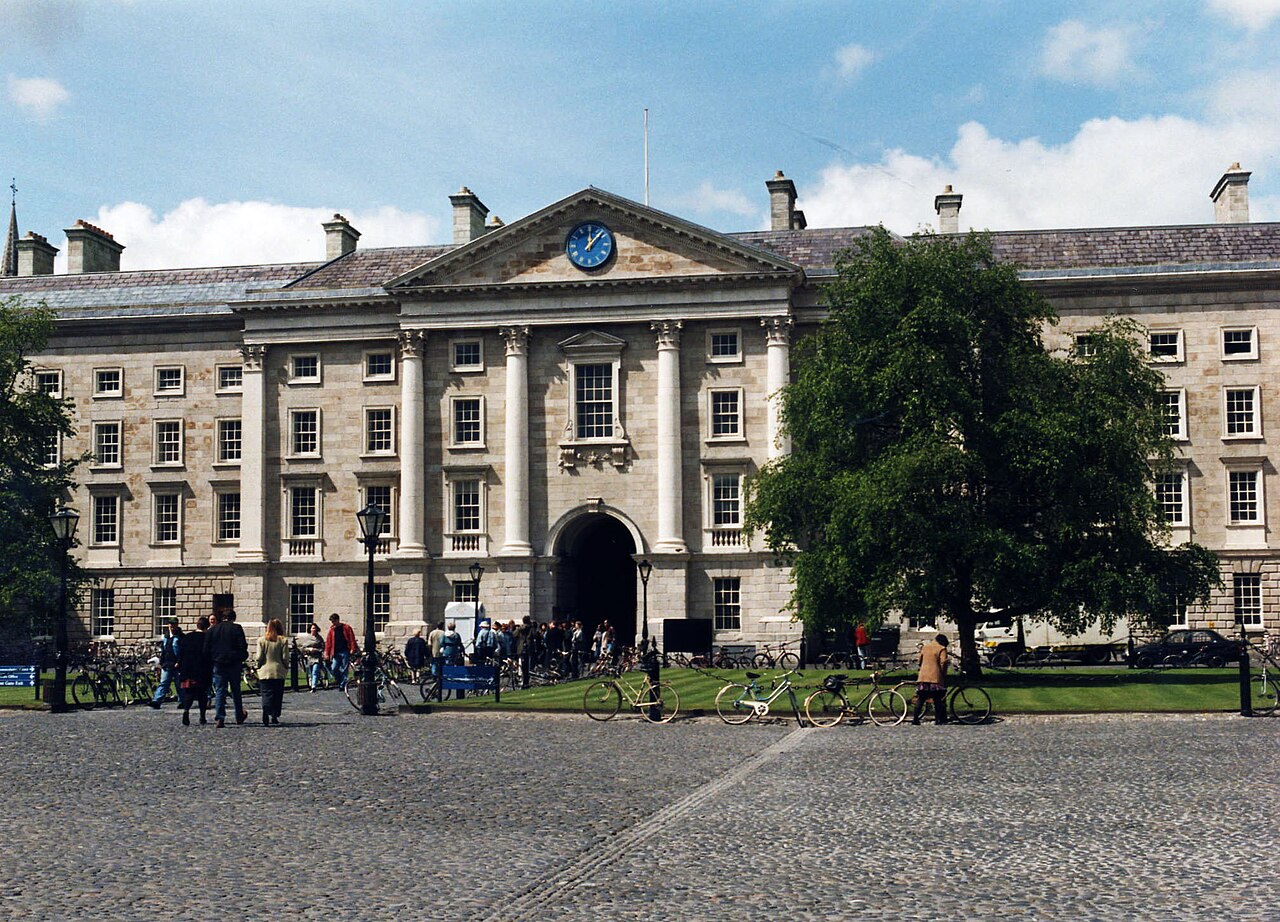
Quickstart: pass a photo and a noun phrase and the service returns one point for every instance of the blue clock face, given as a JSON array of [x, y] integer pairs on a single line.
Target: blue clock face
[[589, 245]]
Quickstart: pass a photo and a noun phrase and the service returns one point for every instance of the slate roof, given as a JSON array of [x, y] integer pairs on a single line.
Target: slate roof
[[368, 268], [151, 292], [813, 250], [1039, 253], [1115, 247]]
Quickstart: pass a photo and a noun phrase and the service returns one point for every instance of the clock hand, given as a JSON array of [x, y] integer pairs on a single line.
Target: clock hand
[[591, 241]]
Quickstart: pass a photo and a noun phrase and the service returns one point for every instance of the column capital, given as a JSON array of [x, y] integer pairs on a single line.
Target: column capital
[[668, 332], [516, 339], [777, 330], [253, 356], [412, 343]]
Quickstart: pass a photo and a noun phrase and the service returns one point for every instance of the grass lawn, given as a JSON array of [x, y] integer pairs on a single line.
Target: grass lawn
[[1030, 691]]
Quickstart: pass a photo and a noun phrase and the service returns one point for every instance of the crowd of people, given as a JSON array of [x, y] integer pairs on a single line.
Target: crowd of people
[[531, 644], [206, 665]]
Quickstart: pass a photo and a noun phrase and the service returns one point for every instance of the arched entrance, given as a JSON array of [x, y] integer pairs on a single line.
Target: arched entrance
[[596, 575]]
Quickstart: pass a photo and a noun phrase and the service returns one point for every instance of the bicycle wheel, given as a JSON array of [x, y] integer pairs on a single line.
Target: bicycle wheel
[[1263, 693], [395, 694], [82, 691], [825, 708], [970, 705], [732, 706], [667, 702], [788, 661], [886, 708], [601, 700], [427, 689]]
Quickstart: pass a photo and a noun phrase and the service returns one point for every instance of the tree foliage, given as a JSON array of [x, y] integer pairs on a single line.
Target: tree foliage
[[944, 462], [29, 490]]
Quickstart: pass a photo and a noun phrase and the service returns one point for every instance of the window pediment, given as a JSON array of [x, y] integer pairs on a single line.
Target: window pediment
[[591, 344]]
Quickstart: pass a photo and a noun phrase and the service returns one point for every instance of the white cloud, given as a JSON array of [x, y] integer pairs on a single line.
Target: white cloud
[[708, 199], [39, 96], [1112, 172], [852, 60], [1253, 15], [201, 233], [1073, 52]]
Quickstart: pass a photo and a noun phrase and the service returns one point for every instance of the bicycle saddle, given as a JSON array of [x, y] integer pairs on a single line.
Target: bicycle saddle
[[753, 675]]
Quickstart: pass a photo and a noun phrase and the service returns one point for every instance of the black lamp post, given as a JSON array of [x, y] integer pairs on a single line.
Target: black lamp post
[[645, 569], [371, 519], [476, 572], [64, 523], [648, 657]]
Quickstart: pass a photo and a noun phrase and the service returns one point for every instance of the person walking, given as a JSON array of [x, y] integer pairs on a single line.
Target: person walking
[[451, 650], [433, 641], [195, 671], [416, 654], [524, 635], [338, 647], [169, 673], [227, 649], [861, 640], [931, 680], [313, 655], [273, 666]]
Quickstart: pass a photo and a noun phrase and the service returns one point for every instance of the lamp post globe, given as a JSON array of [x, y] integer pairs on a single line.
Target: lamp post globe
[[371, 520], [476, 571], [64, 522]]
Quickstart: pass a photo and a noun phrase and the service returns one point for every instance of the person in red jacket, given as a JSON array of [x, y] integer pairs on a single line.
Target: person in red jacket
[[338, 647], [861, 640]]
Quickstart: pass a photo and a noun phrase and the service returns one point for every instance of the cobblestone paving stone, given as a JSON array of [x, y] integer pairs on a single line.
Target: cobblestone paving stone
[[129, 815]]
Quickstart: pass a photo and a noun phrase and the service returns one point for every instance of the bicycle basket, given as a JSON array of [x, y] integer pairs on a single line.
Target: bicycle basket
[[833, 683]]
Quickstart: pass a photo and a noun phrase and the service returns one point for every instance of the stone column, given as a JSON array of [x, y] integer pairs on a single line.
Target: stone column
[[777, 332], [412, 445], [253, 455], [670, 500], [516, 463]]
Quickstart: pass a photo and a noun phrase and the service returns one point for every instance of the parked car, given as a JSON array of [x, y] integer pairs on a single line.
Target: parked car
[[1188, 648]]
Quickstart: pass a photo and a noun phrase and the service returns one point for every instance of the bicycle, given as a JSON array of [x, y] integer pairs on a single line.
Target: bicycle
[[602, 700], [829, 705], [1264, 691], [967, 704], [385, 685], [737, 703], [779, 656]]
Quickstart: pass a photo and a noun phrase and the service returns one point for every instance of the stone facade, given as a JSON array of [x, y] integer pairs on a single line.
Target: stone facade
[[555, 424]]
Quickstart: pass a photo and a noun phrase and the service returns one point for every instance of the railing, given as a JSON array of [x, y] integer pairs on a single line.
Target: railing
[[382, 546], [302, 547], [464, 543], [727, 538]]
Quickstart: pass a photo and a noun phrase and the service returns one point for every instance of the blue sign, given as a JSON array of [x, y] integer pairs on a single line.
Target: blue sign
[[471, 678], [17, 676]]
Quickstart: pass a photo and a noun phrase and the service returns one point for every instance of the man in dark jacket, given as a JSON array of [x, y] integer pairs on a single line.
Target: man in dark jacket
[[196, 672], [226, 648], [416, 653]]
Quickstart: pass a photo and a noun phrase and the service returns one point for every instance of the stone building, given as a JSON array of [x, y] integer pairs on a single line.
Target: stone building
[[558, 398]]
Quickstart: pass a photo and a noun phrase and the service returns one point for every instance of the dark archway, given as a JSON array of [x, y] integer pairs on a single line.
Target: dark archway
[[596, 575]]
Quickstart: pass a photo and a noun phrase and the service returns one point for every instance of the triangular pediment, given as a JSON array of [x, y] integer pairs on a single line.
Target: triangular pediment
[[649, 246], [592, 341]]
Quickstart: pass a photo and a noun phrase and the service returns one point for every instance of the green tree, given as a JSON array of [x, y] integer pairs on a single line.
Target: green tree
[[944, 462], [30, 490]]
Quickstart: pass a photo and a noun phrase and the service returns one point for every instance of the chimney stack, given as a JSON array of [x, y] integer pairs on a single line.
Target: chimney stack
[[339, 237], [1231, 196], [35, 255], [468, 216], [782, 204], [91, 249], [947, 205]]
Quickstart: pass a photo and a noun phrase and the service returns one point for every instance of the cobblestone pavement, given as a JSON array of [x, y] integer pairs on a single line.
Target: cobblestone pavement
[[129, 815]]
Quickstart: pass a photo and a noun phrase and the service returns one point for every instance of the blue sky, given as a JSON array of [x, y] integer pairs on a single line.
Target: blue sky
[[206, 133]]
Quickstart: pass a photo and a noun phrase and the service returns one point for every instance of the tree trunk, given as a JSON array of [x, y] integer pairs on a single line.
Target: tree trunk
[[966, 624]]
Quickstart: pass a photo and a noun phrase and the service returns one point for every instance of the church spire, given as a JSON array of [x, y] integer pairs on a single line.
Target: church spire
[[9, 261]]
